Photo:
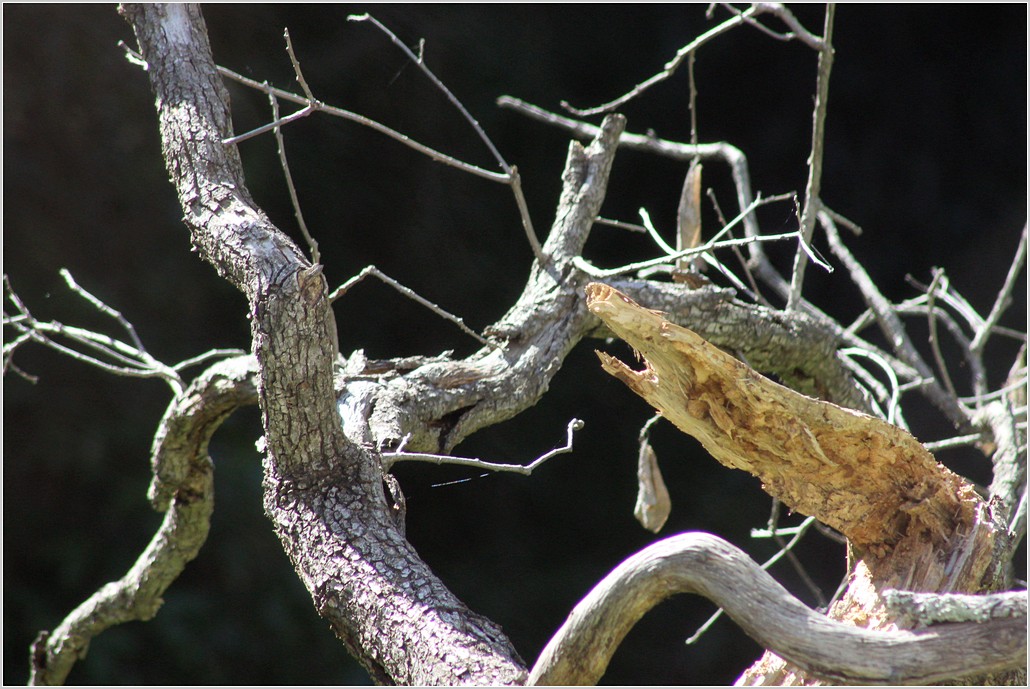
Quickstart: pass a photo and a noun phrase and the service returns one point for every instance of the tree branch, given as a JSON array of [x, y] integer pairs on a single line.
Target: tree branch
[[806, 452], [183, 487], [815, 160], [706, 565], [323, 493]]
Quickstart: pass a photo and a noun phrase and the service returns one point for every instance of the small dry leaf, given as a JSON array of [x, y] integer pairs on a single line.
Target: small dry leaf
[[653, 503], [688, 217]]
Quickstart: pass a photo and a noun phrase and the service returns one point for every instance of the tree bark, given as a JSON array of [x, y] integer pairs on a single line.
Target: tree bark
[[325, 423], [911, 524], [323, 492]]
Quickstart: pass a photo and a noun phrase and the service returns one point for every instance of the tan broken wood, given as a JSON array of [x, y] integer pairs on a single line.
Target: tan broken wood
[[912, 524], [870, 480]]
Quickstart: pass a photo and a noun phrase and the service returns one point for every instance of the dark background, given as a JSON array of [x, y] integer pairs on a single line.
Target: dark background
[[925, 148]]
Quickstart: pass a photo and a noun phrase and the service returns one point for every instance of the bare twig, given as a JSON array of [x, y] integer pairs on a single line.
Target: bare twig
[[312, 243], [714, 243], [797, 31], [729, 154], [632, 227], [411, 294], [296, 66], [893, 329], [391, 458], [511, 172], [893, 408], [958, 441], [109, 354], [935, 344], [418, 60], [1004, 298], [670, 67], [815, 160], [746, 17]]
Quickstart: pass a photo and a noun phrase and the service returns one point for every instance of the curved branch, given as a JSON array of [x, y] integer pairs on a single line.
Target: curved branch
[[184, 486], [706, 565]]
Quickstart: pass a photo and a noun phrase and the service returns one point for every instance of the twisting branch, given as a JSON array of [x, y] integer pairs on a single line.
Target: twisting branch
[[786, 550], [182, 487], [323, 492], [706, 565]]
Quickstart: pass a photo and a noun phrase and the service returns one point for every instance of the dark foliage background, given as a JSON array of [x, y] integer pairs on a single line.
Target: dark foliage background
[[926, 149]]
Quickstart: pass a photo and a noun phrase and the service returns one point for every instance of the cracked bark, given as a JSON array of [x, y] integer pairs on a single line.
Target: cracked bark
[[323, 484]]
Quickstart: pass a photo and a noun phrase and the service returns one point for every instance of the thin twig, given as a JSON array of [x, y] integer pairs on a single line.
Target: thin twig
[[353, 117], [527, 222], [297, 213], [390, 458], [958, 441], [713, 243], [815, 160], [753, 290], [273, 125], [675, 150], [777, 535], [124, 359], [893, 405], [104, 309], [296, 66], [208, 356], [935, 343], [1004, 298], [670, 67], [632, 227], [893, 329], [418, 60], [797, 31], [511, 172], [411, 294]]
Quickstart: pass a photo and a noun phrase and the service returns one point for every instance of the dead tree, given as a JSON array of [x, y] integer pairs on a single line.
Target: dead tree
[[928, 595]]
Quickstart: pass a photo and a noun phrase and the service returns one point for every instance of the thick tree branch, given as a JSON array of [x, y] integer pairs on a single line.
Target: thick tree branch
[[323, 493], [706, 565], [912, 524]]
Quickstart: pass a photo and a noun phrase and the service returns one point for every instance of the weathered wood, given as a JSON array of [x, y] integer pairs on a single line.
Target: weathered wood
[[912, 524], [704, 564], [869, 479]]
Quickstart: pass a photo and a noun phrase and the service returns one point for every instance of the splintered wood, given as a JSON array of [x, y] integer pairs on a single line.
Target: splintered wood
[[870, 480]]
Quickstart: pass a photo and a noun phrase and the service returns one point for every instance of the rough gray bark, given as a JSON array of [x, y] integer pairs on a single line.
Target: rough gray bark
[[322, 491], [324, 479]]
